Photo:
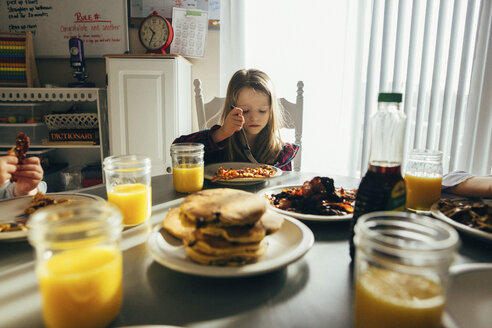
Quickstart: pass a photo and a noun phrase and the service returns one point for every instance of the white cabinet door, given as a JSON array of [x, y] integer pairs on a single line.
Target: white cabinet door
[[149, 106]]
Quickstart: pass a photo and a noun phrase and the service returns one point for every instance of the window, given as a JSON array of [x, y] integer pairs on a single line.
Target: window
[[346, 52]]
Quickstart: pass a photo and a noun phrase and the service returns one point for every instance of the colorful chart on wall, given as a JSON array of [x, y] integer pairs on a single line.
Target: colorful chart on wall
[[102, 25]]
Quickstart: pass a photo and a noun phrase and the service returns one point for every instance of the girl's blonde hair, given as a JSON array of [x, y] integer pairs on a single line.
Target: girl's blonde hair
[[268, 143]]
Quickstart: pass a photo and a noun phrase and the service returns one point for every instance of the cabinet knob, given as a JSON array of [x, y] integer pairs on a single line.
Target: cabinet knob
[[169, 169]]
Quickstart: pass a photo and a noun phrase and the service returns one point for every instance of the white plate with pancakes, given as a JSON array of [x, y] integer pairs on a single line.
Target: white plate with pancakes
[[211, 170], [13, 207], [308, 217], [290, 243]]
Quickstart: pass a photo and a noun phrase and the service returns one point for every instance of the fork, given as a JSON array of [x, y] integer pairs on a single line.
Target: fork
[[247, 148], [19, 220]]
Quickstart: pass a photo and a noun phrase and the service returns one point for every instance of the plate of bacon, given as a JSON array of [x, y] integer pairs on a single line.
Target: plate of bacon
[[14, 212], [471, 216], [316, 200], [240, 173]]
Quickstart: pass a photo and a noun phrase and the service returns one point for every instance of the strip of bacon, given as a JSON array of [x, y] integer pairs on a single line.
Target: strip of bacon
[[22, 143]]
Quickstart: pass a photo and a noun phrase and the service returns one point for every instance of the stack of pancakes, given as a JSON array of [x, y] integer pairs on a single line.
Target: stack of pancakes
[[223, 226]]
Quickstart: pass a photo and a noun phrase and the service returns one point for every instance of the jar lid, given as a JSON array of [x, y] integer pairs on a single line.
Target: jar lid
[[390, 97], [75, 224], [410, 238], [127, 163], [425, 154], [187, 147]]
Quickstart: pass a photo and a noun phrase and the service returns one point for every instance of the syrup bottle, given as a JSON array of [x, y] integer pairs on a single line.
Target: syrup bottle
[[383, 188]]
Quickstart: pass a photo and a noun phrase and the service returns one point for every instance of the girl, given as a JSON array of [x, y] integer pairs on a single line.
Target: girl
[[251, 105]]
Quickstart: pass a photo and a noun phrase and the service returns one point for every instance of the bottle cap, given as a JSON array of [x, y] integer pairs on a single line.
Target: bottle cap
[[390, 97]]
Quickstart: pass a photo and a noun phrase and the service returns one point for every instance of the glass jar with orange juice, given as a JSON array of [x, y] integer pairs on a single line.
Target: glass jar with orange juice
[[78, 263], [401, 270], [128, 185], [423, 179], [188, 172]]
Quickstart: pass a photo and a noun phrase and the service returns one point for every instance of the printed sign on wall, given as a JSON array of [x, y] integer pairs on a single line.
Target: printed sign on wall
[[101, 24]]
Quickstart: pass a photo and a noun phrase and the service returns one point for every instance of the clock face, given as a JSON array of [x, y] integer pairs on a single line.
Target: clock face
[[154, 32]]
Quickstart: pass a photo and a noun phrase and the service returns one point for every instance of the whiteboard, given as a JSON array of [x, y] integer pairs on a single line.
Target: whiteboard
[[101, 24]]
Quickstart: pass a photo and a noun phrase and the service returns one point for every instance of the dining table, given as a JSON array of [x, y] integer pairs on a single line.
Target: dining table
[[314, 290]]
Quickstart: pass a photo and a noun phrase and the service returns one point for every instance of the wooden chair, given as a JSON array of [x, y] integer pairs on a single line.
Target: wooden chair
[[208, 114]]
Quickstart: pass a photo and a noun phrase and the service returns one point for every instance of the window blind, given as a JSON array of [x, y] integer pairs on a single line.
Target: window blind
[[437, 58]]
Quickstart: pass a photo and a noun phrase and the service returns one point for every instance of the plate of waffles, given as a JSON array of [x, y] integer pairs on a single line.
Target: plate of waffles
[[13, 219], [240, 173], [227, 233]]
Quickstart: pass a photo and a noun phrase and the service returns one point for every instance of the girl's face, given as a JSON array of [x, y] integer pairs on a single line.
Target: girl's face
[[256, 109]]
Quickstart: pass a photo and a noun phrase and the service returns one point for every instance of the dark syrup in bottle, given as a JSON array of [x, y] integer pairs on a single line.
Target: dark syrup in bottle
[[381, 189]]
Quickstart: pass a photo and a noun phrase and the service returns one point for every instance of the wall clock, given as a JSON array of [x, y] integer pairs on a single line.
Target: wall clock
[[156, 34]]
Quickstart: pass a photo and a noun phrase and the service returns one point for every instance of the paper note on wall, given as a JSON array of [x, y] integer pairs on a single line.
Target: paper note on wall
[[164, 8], [102, 25], [190, 32], [143, 8], [214, 9]]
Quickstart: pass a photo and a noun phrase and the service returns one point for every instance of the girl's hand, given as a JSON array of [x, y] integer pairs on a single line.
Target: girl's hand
[[29, 174], [7, 168], [233, 123]]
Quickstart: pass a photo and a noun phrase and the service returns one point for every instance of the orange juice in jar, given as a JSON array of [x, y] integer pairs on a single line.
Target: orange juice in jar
[[134, 201], [401, 277], [423, 179], [128, 185], [422, 192], [79, 263], [188, 179], [187, 159], [82, 287], [384, 297]]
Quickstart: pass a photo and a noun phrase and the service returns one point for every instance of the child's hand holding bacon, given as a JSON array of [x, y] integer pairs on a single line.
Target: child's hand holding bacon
[[7, 168], [26, 172]]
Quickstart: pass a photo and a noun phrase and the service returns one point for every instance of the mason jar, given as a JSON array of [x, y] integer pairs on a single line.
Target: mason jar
[[128, 185], [78, 263], [188, 171], [423, 179], [401, 269]]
